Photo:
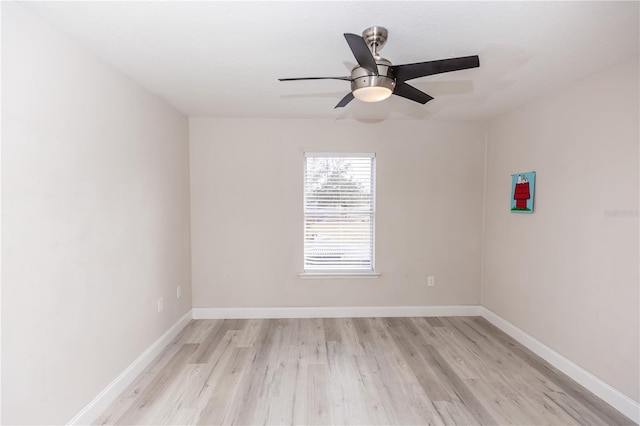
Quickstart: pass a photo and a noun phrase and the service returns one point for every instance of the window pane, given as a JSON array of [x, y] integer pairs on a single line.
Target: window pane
[[338, 213]]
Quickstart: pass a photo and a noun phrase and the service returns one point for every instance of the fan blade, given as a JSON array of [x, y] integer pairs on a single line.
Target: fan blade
[[348, 98], [411, 93], [361, 52], [421, 69], [316, 78]]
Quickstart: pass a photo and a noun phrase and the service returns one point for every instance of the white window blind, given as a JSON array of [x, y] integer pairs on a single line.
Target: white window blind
[[339, 204]]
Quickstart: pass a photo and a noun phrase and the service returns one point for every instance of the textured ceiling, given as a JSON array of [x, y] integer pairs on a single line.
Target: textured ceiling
[[224, 58]]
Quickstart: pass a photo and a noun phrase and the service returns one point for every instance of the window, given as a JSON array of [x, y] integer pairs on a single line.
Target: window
[[339, 204]]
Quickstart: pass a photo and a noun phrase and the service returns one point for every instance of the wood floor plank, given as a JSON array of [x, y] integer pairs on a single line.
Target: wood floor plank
[[353, 371], [349, 336], [312, 340], [391, 389], [434, 383], [182, 394], [405, 402], [197, 331], [375, 407], [470, 400], [318, 402], [248, 335], [292, 357], [259, 385], [422, 405], [226, 388], [184, 417], [146, 405], [213, 373], [298, 378], [455, 413], [348, 386], [216, 335], [464, 359], [332, 330], [434, 321], [385, 343]]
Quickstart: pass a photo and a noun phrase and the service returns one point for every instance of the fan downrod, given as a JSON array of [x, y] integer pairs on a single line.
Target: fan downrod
[[375, 38]]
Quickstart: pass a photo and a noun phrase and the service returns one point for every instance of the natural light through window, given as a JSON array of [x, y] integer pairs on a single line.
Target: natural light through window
[[339, 207]]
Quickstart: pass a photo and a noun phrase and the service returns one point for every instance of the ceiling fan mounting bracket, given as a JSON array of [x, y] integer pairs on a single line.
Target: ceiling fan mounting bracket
[[375, 38]]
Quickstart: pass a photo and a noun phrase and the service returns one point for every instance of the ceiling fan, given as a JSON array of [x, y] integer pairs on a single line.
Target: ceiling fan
[[375, 78]]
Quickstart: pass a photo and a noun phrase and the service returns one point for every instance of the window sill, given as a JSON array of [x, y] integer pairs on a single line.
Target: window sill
[[337, 275]]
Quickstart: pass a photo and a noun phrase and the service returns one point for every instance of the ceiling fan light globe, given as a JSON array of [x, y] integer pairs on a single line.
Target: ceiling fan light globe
[[372, 93]]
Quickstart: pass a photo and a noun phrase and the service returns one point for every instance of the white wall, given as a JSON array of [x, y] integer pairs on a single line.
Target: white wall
[[246, 195], [95, 218], [568, 273]]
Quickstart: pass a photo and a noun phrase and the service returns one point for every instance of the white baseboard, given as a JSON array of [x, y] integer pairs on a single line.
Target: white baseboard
[[337, 312], [100, 403], [602, 390]]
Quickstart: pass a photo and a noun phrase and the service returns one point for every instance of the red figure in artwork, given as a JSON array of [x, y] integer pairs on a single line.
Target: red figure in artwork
[[522, 193]]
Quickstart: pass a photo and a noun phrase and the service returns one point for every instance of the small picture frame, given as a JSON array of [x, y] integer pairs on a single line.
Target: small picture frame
[[523, 187]]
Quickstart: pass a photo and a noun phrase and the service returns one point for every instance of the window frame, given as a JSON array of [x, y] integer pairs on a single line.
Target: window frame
[[340, 273]]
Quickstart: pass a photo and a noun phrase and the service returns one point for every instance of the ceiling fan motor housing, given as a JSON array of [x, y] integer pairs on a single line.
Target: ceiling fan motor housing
[[362, 77]]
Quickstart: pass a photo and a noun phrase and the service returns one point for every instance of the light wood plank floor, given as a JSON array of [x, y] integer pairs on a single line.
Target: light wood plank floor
[[354, 371]]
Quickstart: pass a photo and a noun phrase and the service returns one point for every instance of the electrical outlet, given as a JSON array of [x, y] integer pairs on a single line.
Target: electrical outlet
[[179, 292], [431, 280], [160, 305]]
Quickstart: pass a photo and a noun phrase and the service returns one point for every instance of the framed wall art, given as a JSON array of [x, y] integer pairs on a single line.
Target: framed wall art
[[523, 187]]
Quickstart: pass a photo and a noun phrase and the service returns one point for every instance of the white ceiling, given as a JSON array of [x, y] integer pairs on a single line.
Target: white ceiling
[[224, 58]]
